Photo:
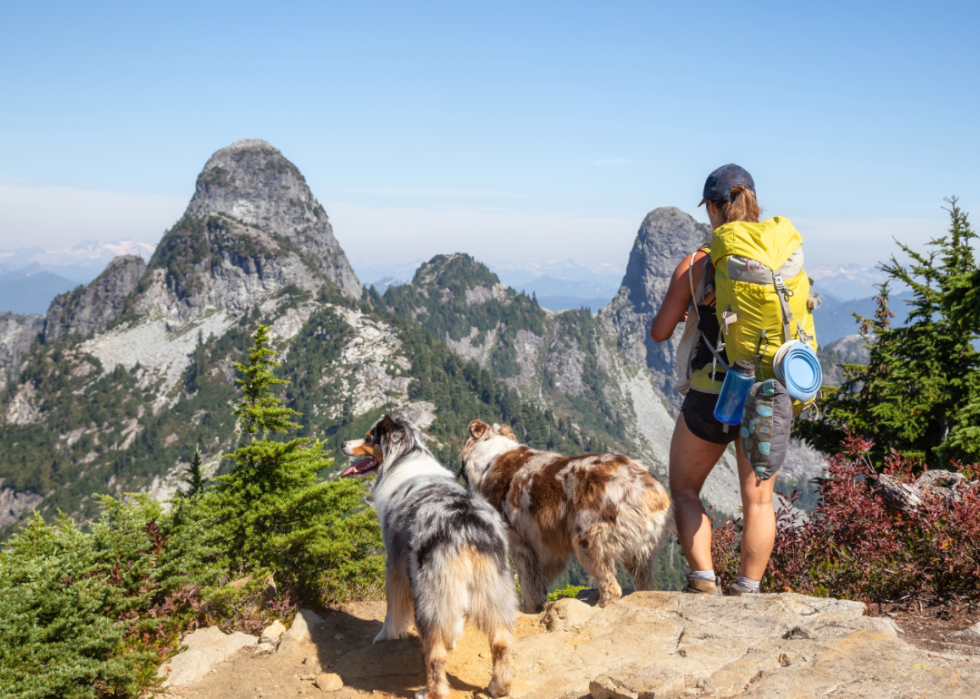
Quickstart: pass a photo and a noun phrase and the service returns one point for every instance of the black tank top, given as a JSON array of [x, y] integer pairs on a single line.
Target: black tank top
[[709, 327]]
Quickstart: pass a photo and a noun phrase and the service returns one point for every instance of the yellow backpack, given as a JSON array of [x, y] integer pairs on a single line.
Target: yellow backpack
[[762, 292]]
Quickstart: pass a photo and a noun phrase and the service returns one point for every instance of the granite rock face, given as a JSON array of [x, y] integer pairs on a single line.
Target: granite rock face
[[17, 332], [252, 182], [665, 237], [91, 309], [211, 262], [13, 504]]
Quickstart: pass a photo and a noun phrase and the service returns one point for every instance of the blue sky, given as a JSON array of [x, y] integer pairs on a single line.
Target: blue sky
[[509, 130]]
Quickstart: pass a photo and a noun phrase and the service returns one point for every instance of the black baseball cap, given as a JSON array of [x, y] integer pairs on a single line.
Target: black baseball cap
[[718, 186]]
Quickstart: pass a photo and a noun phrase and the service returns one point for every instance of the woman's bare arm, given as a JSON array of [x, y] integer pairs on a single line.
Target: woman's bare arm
[[674, 308]]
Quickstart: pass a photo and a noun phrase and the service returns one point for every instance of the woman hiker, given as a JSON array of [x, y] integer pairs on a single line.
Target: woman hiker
[[699, 439]]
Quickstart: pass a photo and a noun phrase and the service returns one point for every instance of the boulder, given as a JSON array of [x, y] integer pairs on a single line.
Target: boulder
[[301, 633], [205, 649], [273, 632]]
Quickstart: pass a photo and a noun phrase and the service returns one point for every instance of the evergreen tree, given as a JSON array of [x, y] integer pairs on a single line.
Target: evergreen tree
[[276, 515], [918, 394], [195, 476]]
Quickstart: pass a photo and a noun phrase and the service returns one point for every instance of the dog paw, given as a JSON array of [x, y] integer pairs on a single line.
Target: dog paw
[[498, 689], [383, 635], [420, 694]]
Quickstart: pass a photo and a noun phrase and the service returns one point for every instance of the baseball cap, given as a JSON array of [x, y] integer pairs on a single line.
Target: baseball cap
[[718, 186]]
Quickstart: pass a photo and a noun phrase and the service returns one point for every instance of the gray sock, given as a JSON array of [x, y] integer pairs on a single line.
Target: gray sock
[[708, 575], [746, 584]]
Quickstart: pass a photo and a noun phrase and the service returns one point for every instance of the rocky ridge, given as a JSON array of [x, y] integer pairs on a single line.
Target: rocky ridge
[[90, 309]]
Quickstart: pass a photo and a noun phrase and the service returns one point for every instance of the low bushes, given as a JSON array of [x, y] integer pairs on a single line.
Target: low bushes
[[856, 546], [90, 614]]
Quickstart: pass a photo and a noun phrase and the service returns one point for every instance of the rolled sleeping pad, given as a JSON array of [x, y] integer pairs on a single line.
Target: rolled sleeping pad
[[796, 367]]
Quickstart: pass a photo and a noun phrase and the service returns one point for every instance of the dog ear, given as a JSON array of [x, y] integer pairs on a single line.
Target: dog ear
[[506, 431], [478, 429]]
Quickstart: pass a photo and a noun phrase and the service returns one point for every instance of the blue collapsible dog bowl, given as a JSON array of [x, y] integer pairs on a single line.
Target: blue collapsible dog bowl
[[796, 367]]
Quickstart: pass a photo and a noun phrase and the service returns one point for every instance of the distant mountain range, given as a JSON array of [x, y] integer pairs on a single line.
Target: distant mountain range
[[834, 319], [31, 289]]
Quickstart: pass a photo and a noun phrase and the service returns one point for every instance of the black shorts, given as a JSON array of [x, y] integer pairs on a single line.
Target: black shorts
[[699, 415]]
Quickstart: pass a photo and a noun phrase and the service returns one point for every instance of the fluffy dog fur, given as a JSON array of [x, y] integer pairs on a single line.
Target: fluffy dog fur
[[447, 553], [601, 507]]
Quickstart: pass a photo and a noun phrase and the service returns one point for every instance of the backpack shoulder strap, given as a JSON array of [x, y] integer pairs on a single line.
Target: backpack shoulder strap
[[703, 286]]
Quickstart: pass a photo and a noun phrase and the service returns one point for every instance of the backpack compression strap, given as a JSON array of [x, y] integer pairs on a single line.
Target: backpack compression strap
[[783, 293]]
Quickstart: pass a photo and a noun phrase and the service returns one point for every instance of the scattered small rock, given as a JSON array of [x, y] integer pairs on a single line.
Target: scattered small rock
[[972, 632], [329, 681]]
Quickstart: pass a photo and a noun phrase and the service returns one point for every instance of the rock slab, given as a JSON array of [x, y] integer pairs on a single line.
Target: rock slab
[[205, 649], [655, 645]]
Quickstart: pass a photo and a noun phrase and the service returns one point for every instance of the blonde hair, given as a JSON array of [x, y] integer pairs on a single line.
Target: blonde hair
[[742, 207]]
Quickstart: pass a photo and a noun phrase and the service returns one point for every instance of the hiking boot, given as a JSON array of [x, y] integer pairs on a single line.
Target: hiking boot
[[736, 590], [703, 587]]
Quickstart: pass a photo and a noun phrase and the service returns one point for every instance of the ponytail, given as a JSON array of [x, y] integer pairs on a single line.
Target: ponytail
[[742, 207]]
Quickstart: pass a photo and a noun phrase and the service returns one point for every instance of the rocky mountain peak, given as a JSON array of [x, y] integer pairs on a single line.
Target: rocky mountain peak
[[455, 270], [666, 235], [252, 181]]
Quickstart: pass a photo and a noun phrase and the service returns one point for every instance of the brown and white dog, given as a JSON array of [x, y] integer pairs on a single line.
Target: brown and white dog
[[447, 553], [601, 507]]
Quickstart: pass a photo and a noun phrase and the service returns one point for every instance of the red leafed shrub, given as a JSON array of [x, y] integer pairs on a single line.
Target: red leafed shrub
[[856, 546]]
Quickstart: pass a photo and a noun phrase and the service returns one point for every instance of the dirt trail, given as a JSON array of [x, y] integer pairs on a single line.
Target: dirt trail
[[344, 645]]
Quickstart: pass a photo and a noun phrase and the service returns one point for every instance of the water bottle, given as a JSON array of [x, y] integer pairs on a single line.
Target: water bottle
[[738, 381]]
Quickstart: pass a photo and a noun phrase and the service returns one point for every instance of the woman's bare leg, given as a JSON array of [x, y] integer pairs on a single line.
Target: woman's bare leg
[[758, 517], [691, 460]]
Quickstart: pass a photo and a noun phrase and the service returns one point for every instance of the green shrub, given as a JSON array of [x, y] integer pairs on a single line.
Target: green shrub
[[920, 390], [274, 514], [567, 591], [94, 614]]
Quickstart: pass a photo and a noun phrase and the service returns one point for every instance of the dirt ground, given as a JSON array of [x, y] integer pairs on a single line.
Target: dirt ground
[[934, 624], [391, 669]]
